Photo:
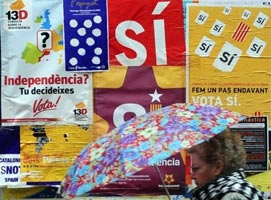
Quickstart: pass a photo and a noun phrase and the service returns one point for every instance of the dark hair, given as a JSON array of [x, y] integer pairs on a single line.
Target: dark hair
[[226, 147]]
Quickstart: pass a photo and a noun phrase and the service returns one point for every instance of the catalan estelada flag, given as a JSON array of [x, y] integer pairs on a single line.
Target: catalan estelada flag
[[241, 32]]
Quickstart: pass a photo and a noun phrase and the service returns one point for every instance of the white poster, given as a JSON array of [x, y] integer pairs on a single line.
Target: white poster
[[9, 169], [35, 88]]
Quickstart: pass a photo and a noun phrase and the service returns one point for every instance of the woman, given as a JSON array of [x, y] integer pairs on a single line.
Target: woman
[[217, 169]]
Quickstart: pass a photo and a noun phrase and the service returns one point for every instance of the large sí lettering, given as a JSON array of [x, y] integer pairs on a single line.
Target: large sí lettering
[[152, 33], [139, 49], [227, 57]]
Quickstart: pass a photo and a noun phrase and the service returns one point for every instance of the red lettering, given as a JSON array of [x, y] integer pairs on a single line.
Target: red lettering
[[43, 105]]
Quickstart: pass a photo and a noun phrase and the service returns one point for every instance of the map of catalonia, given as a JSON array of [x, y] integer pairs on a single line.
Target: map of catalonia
[[31, 54]]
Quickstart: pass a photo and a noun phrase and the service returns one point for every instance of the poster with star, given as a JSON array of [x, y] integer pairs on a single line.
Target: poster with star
[[229, 55], [126, 92]]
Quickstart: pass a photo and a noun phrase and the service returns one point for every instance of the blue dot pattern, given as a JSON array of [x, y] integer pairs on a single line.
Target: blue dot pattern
[[85, 35]]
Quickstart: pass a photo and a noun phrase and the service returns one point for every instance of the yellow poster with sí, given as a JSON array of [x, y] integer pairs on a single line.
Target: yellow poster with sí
[[229, 57]]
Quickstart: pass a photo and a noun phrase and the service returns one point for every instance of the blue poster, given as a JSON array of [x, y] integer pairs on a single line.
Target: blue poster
[[9, 140], [85, 35], [9, 155]]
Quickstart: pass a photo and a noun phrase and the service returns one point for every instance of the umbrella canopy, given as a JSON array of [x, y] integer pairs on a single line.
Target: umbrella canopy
[[142, 142]]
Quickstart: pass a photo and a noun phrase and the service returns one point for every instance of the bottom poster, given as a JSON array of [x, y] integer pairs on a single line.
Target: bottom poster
[[254, 134], [48, 151], [167, 176]]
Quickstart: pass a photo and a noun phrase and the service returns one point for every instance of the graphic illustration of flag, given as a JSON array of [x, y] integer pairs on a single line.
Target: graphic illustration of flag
[[241, 32], [155, 106]]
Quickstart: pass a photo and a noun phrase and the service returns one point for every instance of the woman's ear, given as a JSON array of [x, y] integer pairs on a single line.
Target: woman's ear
[[219, 167]]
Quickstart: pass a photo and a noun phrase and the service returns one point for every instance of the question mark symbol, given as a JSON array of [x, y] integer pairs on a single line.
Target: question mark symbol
[[45, 38], [86, 78]]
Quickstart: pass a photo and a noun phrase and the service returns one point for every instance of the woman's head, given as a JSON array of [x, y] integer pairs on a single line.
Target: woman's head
[[220, 155]]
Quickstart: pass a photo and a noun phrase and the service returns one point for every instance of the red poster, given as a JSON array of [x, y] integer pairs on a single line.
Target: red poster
[[151, 33], [126, 92]]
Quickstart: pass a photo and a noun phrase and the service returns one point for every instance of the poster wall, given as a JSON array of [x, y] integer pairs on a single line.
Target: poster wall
[[134, 91], [160, 52]]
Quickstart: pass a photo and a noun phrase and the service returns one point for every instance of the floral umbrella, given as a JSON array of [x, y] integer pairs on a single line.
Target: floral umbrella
[[142, 142]]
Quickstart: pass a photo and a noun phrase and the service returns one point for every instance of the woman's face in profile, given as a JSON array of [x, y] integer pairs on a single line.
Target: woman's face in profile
[[202, 172]]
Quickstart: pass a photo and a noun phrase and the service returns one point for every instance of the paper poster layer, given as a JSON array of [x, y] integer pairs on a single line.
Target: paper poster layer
[[229, 57], [146, 33], [35, 88], [86, 35], [125, 92]]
